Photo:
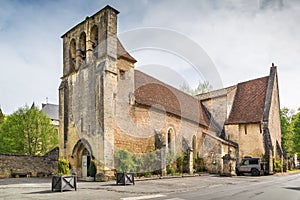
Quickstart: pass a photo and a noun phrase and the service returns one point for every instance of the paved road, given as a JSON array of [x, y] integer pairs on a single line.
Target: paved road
[[202, 187], [258, 188]]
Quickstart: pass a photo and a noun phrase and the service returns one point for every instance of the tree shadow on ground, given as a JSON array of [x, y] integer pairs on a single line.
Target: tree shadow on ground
[[39, 192], [293, 188], [48, 191]]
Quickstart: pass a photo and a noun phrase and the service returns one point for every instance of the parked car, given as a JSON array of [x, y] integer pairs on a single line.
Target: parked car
[[255, 166]]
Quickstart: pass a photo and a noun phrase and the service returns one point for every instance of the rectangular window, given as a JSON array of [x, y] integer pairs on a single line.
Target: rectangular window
[[245, 162], [122, 74], [253, 162]]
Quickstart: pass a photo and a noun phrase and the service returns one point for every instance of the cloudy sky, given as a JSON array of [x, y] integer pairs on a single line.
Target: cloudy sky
[[237, 39]]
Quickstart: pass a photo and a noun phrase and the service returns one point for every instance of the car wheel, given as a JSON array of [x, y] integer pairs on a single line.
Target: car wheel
[[254, 172]]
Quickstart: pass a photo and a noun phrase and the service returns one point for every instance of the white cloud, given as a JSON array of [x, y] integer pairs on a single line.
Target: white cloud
[[241, 39]]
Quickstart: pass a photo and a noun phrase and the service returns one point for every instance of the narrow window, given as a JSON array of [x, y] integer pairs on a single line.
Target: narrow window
[[94, 40], [122, 74], [81, 125], [72, 55], [82, 45], [170, 140]]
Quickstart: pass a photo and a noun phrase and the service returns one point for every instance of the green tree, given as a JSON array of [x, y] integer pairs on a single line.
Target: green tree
[[1, 116], [27, 131], [184, 87], [202, 87], [287, 133], [296, 130]]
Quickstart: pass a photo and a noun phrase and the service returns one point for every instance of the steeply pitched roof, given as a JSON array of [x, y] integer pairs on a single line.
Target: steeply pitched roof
[[249, 102], [51, 110], [152, 92], [122, 53]]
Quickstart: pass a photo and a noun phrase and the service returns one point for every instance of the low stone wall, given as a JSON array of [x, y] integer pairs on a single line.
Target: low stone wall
[[14, 165]]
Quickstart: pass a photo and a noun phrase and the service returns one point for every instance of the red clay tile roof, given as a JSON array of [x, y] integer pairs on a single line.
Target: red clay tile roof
[[122, 53], [152, 92], [249, 102]]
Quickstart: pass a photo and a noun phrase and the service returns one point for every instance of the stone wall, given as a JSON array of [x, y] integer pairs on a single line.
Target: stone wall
[[14, 163], [139, 124], [249, 137], [213, 151], [136, 133], [219, 103], [134, 144], [274, 119], [251, 141], [88, 90]]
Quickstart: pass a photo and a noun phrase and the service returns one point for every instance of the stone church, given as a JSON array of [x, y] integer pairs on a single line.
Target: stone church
[[106, 105]]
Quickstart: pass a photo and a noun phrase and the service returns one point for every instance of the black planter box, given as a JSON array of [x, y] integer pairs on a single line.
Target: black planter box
[[62, 183], [125, 178]]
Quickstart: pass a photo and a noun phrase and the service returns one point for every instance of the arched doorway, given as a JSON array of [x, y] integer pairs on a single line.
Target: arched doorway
[[82, 155], [85, 162]]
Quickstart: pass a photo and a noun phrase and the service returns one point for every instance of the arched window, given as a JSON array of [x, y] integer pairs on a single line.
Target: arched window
[[82, 45], [72, 55], [171, 140], [94, 40]]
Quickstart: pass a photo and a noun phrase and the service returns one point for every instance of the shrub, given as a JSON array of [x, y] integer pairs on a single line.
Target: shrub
[[151, 161], [137, 160], [277, 166], [199, 164], [148, 174], [92, 169], [182, 162], [63, 167], [124, 161], [170, 170]]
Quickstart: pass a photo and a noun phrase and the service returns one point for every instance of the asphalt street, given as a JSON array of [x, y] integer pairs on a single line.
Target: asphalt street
[[280, 186]]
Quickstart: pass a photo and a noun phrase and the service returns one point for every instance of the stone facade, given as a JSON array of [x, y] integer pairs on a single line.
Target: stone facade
[[106, 105], [17, 165], [87, 91], [258, 134]]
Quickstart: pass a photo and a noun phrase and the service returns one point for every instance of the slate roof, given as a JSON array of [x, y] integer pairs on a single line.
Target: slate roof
[[152, 92], [51, 110], [249, 102]]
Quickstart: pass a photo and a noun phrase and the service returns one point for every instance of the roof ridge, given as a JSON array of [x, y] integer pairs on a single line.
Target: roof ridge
[[256, 79], [123, 53], [172, 87], [151, 91]]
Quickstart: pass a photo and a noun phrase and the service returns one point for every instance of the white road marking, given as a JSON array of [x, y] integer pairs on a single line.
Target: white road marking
[[144, 197], [175, 199]]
